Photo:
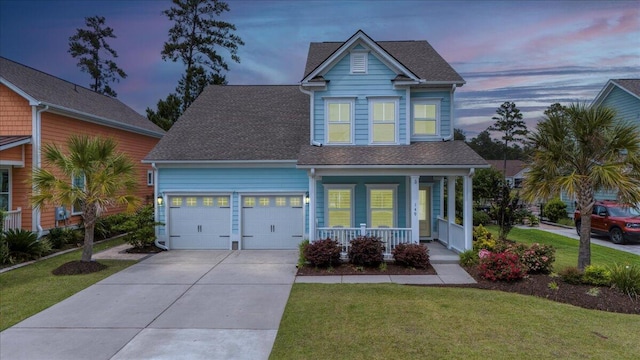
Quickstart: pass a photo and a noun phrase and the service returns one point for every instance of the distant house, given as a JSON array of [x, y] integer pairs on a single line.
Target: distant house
[[622, 95], [362, 145], [37, 109], [516, 170]]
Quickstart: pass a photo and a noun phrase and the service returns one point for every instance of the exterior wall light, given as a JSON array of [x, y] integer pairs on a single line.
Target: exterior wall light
[[306, 198], [160, 200]]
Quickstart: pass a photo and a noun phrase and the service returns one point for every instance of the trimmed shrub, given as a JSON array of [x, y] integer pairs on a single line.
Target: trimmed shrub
[[469, 258], [482, 239], [366, 251], [481, 218], [596, 275], [24, 245], [626, 278], [140, 228], [555, 210], [323, 253], [411, 255], [533, 220], [571, 275], [538, 259], [59, 237], [504, 266], [302, 260]]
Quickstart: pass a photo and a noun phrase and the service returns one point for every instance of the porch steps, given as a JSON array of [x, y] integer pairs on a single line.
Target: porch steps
[[439, 254]]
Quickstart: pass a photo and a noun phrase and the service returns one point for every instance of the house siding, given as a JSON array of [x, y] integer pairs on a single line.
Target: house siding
[[375, 83], [626, 105], [56, 129], [15, 113], [234, 181]]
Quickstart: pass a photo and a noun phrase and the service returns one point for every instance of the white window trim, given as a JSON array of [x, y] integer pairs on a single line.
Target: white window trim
[[9, 187], [394, 188], [328, 187], [419, 101], [150, 177], [372, 101], [327, 102], [73, 209], [365, 54]]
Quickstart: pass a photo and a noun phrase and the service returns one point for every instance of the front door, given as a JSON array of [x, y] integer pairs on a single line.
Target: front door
[[425, 211]]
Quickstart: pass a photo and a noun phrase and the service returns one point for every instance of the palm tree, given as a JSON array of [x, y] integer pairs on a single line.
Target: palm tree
[[580, 151], [107, 176]]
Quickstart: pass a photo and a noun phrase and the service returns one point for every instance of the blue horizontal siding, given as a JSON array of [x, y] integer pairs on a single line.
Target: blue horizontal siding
[[626, 105]]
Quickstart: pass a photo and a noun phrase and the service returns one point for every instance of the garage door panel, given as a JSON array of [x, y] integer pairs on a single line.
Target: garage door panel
[[199, 222], [272, 224]]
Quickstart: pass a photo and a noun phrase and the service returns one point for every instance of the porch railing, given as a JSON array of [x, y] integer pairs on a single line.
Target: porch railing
[[452, 235], [390, 237], [12, 219]]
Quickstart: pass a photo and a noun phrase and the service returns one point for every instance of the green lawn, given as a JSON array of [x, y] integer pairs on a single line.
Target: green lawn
[[32, 288], [567, 249], [389, 321]]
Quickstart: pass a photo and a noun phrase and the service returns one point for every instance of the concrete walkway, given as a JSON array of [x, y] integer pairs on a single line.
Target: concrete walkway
[[633, 248], [184, 305]]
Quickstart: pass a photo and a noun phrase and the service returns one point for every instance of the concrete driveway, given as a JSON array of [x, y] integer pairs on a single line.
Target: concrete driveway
[[173, 305]]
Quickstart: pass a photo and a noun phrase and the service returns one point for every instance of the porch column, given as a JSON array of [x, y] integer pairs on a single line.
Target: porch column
[[468, 210], [451, 205], [415, 205], [312, 208]]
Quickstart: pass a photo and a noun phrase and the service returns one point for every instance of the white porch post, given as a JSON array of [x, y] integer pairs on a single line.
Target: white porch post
[[451, 205], [468, 210], [312, 208], [415, 205]]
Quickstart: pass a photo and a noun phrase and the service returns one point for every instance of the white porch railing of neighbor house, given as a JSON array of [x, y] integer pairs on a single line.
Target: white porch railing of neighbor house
[[390, 237], [12, 219], [452, 235]]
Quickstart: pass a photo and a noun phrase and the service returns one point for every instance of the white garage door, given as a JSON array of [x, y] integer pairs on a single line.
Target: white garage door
[[272, 222], [199, 222]]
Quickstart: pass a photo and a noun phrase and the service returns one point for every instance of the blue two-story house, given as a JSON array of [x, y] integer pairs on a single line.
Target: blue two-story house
[[362, 145]]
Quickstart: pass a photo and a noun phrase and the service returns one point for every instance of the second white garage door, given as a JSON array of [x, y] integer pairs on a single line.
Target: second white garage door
[[199, 222], [272, 222]]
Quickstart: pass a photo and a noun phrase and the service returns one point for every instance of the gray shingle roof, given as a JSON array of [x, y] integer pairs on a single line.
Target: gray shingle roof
[[450, 153], [632, 85], [418, 56], [62, 94], [261, 122], [513, 166]]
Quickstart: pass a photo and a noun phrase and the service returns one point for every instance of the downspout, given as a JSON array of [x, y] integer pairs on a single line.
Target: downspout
[[311, 105], [36, 162], [156, 207]]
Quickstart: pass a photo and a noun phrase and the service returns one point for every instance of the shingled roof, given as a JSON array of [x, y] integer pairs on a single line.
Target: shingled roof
[[445, 154], [631, 85], [62, 95], [241, 123], [417, 56]]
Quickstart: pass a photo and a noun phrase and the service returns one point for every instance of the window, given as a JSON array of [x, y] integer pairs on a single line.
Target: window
[[4, 190], [192, 201], [207, 201], [223, 201], [281, 201], [149, 177], [358, 62], [339, 206], [382, 205], [249, 202], [339, 121], [265, 201], [383, 114], [176, 201], [426, 118], [78, 182], [295, 201]]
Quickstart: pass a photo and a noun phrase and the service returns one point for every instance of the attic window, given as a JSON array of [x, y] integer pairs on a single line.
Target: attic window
[[358, 62]]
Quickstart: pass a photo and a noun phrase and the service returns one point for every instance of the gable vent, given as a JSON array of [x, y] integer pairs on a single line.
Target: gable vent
[[358, 63]]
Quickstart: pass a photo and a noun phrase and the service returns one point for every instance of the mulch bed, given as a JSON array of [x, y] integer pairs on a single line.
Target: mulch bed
[[348, 269], [78, 267], [151, 249]]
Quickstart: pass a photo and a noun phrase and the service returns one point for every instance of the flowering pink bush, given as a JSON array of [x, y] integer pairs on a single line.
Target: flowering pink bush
[[504, 266], [483, 253], [538, 259]]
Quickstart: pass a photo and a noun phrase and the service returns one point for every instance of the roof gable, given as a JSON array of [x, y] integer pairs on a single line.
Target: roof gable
[[415, 59], [40, 88], [630, 86]]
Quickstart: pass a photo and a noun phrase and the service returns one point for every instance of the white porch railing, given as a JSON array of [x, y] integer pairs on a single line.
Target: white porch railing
[[390, 237], [452, 235], [13, 219]]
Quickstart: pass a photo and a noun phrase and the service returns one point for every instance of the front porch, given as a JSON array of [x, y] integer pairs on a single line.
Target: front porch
[[12, 219]]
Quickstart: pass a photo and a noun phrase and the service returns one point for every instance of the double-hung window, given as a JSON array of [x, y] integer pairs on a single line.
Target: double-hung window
[[339, 121], [384, 121], [339, 200], [426, 118], [382, 205], [79, 182], [4, 190]]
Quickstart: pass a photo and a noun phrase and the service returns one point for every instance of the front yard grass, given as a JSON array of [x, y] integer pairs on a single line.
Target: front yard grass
[[32, 288], [567, 248], [389, 321]]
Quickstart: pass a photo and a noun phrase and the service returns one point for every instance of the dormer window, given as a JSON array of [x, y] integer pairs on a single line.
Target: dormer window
[[359, 62]]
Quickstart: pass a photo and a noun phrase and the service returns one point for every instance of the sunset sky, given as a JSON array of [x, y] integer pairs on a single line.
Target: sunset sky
[[531, 52]]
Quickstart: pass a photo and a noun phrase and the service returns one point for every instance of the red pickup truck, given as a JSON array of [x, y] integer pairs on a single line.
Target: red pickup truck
[[621, 223]]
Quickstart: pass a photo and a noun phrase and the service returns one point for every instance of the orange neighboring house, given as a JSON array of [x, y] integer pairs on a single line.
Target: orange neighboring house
[[37, 109]]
